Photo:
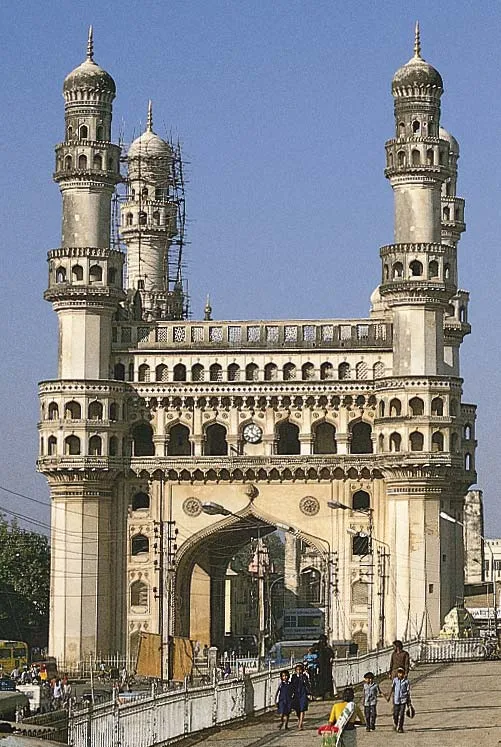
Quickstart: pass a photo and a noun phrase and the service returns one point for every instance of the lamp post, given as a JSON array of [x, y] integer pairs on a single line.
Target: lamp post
[[452, 520], [368, 512]]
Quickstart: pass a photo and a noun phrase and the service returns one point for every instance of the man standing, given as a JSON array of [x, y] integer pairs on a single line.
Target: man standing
[[400, 659]]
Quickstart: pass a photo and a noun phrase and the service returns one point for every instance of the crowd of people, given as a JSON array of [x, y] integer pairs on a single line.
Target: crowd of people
[[313, 679]]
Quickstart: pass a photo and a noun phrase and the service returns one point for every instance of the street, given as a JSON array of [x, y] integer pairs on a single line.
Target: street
[[456, 704]]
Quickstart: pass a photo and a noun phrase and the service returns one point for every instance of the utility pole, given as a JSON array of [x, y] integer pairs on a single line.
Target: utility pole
[[382, 558]]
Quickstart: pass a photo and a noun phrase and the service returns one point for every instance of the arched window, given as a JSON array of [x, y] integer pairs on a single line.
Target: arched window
[[416, 441], [310, 586], [381, 442], [144, 193], [233, 372], [326, 371], [129, 219], [161, 372], [395, 442], [416, 268], [69, 133], [216, 372], [142, 218], [140, 501], [119, 372], [359, 588], [361, 500], [437, 441], [179, 441], [454, 443], [251, 372], [139, 545], [307, 371], [401, 157], [53, 411], [139, 593], [430, 157], [433, 269], [197, 372], [179, 372], [397, 271], [156, 218], [360, 545], [142, 437], [437, 406], [447, 272], [72, 410], [453, 408], [77, 273], [83, 132], [382, 408], [99, 132], [270, 372], [416, 126], [95, 446], [401, 129], [395, 408], [112, 275], [468, 462], [60, 275], [82, 161], [95, 274], [386, 272], [325, 439], [130, 371], [378, 370], [95, 411], [68, 163], [416, 406], [143, 372], [361, 441], [113, 446], [467, 432], [416, 157], [72, 445], [361, 370], [52, 446], [98, 161], [289, 371], [215, 440], [288, 438], [343, 371], [462, 314]]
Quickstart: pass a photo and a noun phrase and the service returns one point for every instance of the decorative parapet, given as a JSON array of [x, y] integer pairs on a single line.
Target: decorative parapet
[[325, 335]]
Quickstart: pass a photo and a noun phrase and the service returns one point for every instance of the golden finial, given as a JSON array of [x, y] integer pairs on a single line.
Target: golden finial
[[90, 45], [149, 119], [417, 41]]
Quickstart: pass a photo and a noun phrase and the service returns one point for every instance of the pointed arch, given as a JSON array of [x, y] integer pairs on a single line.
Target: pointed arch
[[324, 441], [361, 438], [287, 434]]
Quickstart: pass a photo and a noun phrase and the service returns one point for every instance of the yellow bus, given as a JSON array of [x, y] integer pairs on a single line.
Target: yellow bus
[[13, 655]]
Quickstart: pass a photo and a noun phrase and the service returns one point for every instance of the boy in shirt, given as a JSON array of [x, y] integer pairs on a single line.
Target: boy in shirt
[[371, 692], [401, 692]]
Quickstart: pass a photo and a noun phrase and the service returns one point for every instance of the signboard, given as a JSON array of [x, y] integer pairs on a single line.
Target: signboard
[[484, 613], [303, 623]]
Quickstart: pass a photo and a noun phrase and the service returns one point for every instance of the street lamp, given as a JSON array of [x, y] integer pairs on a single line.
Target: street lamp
[[368, 512], [452, 520]]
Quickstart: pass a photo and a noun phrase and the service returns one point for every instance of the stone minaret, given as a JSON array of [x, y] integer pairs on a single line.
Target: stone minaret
[[82, 408], [148, 224]]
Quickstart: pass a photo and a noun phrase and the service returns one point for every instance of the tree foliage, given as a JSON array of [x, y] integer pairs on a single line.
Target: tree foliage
[[24, 584]]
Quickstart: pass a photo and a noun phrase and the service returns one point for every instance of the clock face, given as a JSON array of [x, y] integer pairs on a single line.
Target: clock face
[[252, 433]]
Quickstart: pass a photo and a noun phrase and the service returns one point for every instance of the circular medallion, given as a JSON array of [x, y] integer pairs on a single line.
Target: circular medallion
[[252, 433], [192, 507], [309, 505]]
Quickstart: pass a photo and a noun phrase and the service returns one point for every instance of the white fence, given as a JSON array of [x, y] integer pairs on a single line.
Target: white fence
[[156, 720], [462, 649]]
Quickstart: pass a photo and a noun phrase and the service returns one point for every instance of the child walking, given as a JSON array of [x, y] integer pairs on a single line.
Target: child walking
[[401, 692], [300, 691], [371, 692], [283, 699]]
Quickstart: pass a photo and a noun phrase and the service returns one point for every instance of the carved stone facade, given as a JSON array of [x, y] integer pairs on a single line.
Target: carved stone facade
[[152, 416]]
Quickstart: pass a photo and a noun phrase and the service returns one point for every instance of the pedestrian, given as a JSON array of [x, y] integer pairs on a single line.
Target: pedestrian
[[371, 692], [57, 695], [345, 715], [283, 699], [325, 659], [399, 659], [124, 679], [301, 691], [311, 664], [401, 692], [66, 687]]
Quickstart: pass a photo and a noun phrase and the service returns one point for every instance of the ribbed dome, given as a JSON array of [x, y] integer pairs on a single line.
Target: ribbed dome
[[417, 72], [453, 143], [88, 75], [149, 145]]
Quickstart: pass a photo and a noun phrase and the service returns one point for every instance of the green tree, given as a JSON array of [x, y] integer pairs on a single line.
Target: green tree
[[24, 584]]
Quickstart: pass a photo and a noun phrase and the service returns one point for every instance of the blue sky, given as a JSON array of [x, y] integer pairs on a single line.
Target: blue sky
[[283, 108]]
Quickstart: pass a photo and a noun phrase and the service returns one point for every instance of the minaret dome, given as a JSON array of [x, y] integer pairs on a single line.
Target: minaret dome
[[89, 78], [417, 76]]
